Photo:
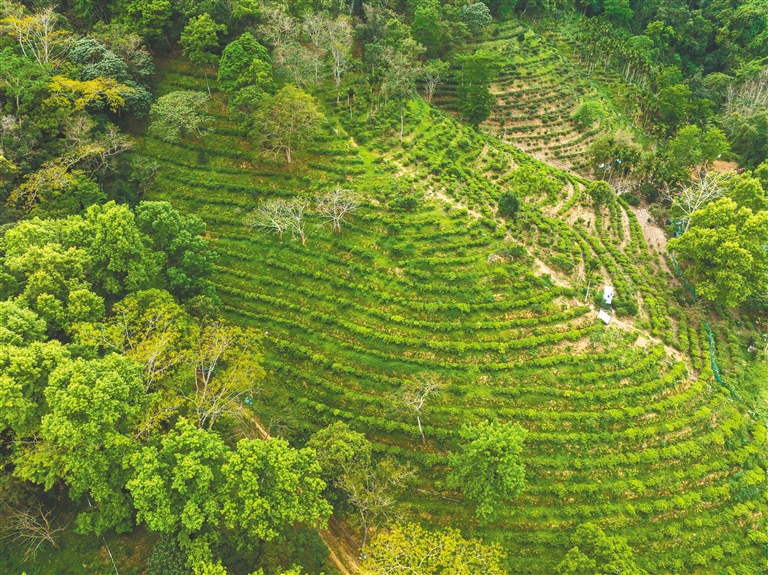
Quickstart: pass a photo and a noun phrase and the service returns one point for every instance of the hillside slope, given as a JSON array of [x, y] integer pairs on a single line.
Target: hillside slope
[[627, 428]]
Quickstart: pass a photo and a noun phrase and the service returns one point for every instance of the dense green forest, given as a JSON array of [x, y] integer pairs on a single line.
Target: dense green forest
[[396, 287]]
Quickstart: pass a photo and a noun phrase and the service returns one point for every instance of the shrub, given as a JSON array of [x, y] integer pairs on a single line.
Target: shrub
[[167, 558]]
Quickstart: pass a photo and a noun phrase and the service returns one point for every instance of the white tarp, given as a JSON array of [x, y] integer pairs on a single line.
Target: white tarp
[[607, 294], [605, 316]]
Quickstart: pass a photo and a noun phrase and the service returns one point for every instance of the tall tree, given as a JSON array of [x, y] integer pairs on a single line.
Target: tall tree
[[200, 41], [245, 62], [193, 485], [478, 70], [179, 113], [147, 18], [724, 251], [286, 120], [187, 257], [487, 467], [86, 435], [399, 83], [269, 485], [601, 192]]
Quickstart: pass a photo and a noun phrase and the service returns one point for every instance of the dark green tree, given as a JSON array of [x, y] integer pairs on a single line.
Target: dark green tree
[[200, 40], [244, 62], [188, 257], [487, 466], [595, 553], [509, 205], [724, 252], [601, 192]]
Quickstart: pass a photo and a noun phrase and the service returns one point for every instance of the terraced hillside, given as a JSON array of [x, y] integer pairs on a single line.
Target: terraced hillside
[[540, 87], [627, 427]]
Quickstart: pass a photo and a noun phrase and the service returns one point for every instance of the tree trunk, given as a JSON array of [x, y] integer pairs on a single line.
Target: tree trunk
[[288, 154], [206, 82], [401, 122], [421, 431]]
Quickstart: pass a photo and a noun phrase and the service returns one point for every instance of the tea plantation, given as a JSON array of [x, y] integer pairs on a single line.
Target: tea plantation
[[627, 427]]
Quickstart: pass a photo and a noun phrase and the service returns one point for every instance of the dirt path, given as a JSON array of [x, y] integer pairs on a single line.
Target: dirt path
[[654, 236], [671, 351], [341, 548], [544, 269]]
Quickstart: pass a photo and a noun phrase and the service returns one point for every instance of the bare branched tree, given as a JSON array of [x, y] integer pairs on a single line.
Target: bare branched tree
[[414, 394], [226, 365], [31, 527], [279, 216], [334, 205], [270, 216], [279, 27], [299, 63], [315, 25], [749, 97], [39, 35], [295, 211], [372, 489], [706, 186], [338, 41]]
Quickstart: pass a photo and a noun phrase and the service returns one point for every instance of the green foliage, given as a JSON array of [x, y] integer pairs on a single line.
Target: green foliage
[[24, 373], [147, 18], [749, 193], [509, 205], [481, 67], [601, 192], [487, 467], [192, 484], [531, 181], [588, 112], [86, 436], [675, 105], [19, 325], [200, 40], [749, 136], [286, 120], [408, 548], [338, 448], [167, 558], [725, 251], [595, 553], [245, 62], [426, 23], [618, 11], [178, 114], [176, 487], [692, 146], [270, 486], [475, 103], [188, 258], [613, 153], [477, 16]]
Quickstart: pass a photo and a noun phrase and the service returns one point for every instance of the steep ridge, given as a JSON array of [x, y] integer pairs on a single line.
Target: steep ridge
[[425, 280]]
